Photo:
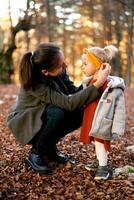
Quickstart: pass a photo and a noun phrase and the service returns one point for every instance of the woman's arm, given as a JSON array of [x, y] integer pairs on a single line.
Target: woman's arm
[[49, 95], [71, 102]]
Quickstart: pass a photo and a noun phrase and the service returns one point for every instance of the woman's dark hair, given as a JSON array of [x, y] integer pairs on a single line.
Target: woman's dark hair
[[46, 56]]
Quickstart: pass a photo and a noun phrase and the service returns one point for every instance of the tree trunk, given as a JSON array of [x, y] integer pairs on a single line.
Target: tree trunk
[[129, 20], [6, 62], [49, 21], [117, 62]]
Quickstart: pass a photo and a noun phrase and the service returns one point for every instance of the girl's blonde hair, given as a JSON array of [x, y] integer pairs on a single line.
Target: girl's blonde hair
[[104, 54]]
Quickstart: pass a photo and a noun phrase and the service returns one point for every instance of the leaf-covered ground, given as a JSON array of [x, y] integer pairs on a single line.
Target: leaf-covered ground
[[67, 182]]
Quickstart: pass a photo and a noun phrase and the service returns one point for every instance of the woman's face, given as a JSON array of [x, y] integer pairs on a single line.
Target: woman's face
[[55, 72], [58, 69], [87, 67]]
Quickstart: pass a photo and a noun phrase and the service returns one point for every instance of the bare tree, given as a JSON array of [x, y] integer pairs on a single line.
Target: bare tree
[[6, 62], [129, 15]]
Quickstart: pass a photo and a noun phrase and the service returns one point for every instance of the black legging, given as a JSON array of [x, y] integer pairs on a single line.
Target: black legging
[[57, 123]]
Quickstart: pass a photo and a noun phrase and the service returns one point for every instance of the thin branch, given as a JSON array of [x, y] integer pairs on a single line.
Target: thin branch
[[9, 12], [125, 4]]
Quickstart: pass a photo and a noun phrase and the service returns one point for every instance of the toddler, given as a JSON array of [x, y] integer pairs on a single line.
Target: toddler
[[104, 118]]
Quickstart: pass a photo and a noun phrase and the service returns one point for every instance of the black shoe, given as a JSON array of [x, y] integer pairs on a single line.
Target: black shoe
[[38, 164], [92, 166], [55, 155], [103, 173]]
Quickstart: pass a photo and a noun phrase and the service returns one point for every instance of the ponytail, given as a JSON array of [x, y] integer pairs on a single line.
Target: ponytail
[[110, 52], [25, 71], [45, 56]]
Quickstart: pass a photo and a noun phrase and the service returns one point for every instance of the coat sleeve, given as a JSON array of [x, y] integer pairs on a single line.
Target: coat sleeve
[[48, 95], [119, 115]]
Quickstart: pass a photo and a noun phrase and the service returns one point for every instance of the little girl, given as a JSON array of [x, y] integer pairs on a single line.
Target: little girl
[[104, 118]]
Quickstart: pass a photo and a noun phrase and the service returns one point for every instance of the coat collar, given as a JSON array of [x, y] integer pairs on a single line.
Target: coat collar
[[114, 82]]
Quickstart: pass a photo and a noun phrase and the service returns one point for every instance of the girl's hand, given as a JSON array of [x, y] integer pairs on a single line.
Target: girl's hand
[[103, 73]]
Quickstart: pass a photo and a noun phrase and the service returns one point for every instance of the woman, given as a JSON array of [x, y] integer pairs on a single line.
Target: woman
[[48, 105]]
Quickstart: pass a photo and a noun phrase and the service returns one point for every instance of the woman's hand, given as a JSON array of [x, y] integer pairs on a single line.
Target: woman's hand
[[103, 73]]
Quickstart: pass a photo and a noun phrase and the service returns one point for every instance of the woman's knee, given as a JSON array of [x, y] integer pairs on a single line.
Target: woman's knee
[[55, 113]]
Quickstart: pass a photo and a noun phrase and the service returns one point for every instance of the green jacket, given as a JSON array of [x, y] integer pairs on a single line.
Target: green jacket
[[25, 118]]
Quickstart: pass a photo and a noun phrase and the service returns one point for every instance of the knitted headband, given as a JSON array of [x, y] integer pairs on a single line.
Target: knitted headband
[[96, 61]]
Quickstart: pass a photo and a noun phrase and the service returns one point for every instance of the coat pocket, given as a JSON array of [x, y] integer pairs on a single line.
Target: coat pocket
[[105, 128], [11, 116]]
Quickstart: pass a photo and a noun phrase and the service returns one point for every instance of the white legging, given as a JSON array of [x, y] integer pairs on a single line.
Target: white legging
[[101, 153]]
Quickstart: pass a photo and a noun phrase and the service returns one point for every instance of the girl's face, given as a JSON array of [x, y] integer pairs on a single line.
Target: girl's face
[[87, 67]]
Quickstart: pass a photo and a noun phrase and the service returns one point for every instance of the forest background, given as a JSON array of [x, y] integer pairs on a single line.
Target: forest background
[[73, 25]]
